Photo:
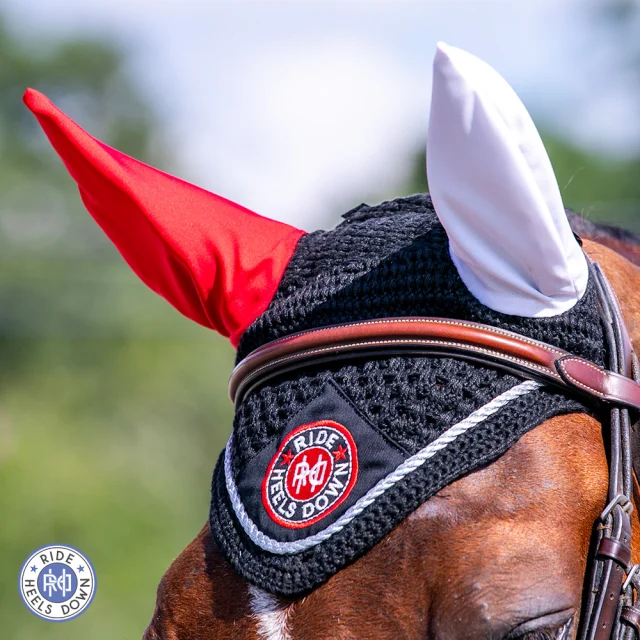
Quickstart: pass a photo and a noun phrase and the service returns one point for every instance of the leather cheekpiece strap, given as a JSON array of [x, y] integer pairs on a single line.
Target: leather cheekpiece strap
[[632, 617]]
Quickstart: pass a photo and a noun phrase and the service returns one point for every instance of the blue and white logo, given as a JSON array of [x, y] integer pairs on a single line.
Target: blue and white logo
[[57, 583]]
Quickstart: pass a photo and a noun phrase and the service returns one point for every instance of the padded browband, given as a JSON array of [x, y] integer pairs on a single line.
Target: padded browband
[[421, 336]]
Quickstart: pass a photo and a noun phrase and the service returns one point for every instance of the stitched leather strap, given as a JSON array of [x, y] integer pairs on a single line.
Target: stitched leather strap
[[631, 615], [616, 550], [433, 336]]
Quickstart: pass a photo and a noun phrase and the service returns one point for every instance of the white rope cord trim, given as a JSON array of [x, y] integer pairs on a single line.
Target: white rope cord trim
[[409, 465]]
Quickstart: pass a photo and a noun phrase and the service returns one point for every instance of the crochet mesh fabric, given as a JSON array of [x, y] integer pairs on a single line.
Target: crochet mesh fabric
[[384, 261]]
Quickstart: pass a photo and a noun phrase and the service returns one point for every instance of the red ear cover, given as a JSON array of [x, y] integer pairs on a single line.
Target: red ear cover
[[213, 260]]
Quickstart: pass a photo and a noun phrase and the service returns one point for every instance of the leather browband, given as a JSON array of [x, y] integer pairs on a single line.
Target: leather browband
[[433, 336]]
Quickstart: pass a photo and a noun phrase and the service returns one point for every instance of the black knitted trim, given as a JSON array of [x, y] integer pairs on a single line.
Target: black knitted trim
[[293, 575]]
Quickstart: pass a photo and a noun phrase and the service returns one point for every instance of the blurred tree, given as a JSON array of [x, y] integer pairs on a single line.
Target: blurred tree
[[87, 78], [620, 25], [87, 72], [47, 240], [600, 189], [112, 406]]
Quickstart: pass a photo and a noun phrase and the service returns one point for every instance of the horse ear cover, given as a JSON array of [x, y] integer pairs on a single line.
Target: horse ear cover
[[213, 260], [383, 261], [495, 192]]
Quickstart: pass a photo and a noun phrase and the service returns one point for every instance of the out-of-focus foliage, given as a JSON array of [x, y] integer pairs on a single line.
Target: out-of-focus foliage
[[602, 190], [621, 22], [112, 406], [46, 238]]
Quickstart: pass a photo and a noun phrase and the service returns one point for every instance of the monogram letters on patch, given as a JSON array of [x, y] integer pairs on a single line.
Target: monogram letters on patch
[[313, 471]]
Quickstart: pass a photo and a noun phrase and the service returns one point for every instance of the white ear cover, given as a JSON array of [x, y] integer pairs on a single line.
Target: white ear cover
[[495, 193]]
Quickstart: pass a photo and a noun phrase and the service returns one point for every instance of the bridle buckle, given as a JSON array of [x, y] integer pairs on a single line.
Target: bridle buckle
[[620, 500], [630, 614], [630, 578]]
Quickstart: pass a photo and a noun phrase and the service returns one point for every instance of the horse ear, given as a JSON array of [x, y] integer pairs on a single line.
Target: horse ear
[[495, 192], [216, 262]]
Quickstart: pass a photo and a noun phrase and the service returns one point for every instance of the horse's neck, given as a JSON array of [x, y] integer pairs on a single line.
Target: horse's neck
[[625, 279]]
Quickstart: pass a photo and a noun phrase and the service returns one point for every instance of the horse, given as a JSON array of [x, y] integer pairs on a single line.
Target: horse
[[476, 560], [496, 538]]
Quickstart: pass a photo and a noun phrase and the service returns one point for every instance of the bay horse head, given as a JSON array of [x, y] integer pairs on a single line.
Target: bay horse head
[[432, 399]]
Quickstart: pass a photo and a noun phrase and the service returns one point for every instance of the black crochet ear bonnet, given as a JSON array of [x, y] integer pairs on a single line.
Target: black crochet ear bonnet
[[325, 462]]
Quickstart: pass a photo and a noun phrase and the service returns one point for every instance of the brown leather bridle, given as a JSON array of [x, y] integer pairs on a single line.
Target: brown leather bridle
[[611, 607]]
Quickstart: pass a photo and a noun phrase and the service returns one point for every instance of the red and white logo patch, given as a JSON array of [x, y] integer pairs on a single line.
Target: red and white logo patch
[[312, 473]]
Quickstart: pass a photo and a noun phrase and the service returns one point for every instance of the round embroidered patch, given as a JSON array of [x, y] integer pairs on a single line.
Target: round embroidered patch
[[312, 473]]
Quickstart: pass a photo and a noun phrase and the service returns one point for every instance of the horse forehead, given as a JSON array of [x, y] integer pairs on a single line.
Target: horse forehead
[[503, 541]]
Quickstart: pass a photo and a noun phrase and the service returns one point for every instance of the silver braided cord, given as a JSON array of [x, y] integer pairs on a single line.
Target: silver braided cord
[[409, 465]]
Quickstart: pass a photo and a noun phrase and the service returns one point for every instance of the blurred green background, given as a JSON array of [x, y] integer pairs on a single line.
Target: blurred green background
[[113, 408]]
